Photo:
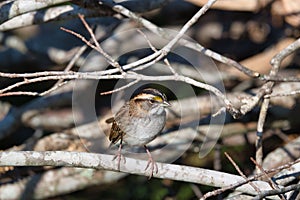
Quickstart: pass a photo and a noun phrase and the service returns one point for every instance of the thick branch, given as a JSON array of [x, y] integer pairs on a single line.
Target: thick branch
[[18, 7], [133, 166]]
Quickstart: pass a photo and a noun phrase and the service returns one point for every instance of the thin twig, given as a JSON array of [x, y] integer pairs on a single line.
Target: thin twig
[[100, 50], [58, 84], [233, 186], [196, 190], [186, 26], [147, 39], [166, 61], [295, 187], [18, 93], [80, 37], [167, 48], [240, 172], [72, 62], [97, 76], [161, 32], [291, 93], [278, 58], [270, 181], [157, 56], [259, 132], [121, 88], [98, 47], [275, 62], [27, 93]]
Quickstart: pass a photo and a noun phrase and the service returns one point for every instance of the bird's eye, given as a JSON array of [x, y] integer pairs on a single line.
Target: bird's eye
[[152, 101]]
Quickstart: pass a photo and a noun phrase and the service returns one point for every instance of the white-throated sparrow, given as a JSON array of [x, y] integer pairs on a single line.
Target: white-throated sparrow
[[139, 121]]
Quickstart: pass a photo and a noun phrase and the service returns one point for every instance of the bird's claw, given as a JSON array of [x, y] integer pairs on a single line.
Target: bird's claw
[[153, 167], [119, 157]]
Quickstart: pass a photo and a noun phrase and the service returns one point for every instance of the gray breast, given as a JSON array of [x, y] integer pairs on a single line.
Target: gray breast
[[145, 130]]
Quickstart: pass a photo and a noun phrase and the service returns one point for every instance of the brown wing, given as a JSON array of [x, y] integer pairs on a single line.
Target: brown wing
[[110, 120], [116, 133]]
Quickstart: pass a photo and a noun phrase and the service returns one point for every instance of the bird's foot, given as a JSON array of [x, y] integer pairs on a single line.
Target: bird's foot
[[119, 157], [151, 163]]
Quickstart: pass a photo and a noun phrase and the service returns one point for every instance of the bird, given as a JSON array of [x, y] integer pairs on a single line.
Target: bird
[[138, 122]]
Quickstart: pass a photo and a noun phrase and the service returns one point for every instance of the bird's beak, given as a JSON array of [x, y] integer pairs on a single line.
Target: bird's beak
[[166, 104]]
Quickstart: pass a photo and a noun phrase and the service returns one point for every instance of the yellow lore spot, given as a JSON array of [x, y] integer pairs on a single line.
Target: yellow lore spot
[[158, 99]]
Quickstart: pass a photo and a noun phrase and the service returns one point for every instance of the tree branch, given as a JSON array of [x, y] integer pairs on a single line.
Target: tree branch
[[133, 166]]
